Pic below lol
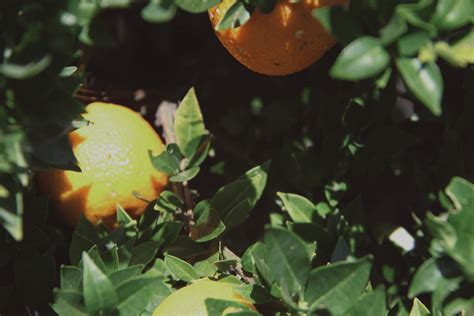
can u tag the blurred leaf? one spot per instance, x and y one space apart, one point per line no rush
300 209
441 230
339 22
240 196
418 309
424 81
196 6
71 278
414 14
363 58
21 72
99 293
235 16
287 259
372 303
464 48
395 28
451 15
450 55
189 124
159 11
461 192
69 303
337 286
409 44
341 252
430 275
180 269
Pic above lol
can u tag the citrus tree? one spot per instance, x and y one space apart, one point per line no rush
237 157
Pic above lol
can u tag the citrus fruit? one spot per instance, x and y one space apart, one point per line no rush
190 300
112 153
284 41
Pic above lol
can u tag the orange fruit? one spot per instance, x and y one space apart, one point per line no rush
284 41
112 152
190 300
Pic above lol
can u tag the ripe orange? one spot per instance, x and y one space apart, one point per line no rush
190 300
287 40
112 152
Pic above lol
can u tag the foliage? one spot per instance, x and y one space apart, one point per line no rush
367 207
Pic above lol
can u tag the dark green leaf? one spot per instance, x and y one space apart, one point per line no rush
71 278
208 224
372 303
165 162
339 22
363 58
337 286
146 252
168 202
120 276
409 44
99 293
248 188
69 303
287 259
395 28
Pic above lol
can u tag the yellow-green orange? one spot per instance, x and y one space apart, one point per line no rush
112 152
190 300
282 42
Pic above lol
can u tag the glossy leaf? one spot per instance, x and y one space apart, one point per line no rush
450 15
363 58
424 81
300 209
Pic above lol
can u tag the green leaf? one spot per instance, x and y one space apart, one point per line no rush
461 192
414 14
71 278
99 293
159 11
246 189
185 175
237 15
450 15
184 247
363 58
146 252
287 259
395 28
441 230
410 44
180 269
208 224
418 309
120 276
189 124
216 307
140 294
168 202
196 6
69 303
424 81
300 209
206 267
431 274
21 72
372 303
202 145
337 287
450 55
464 48
166 161
339 22
84 237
